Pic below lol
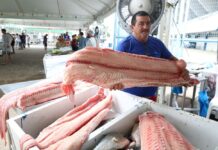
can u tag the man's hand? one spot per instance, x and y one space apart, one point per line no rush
117 86
185 74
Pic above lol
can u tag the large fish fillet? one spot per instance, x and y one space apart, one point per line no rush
106 67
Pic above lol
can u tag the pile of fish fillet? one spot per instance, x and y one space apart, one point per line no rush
71 131
43 91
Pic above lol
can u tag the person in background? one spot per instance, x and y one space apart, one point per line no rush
91 41
17 41
23 40
96 32
7 49
82 41
60 42
74 43
12 43
66 37
141 43
28 40
45 41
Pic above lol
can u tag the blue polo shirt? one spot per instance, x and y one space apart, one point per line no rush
152 47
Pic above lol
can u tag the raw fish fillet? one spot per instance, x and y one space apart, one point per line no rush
75 141
37 93
106 67
71 122
157 133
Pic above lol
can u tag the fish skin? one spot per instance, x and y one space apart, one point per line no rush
135 135
112 141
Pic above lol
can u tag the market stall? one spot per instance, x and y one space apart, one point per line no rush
54 65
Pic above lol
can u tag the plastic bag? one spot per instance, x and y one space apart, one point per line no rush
203 101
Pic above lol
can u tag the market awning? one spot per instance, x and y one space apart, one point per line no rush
72 14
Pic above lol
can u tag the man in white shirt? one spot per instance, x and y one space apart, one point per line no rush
7 49
91 41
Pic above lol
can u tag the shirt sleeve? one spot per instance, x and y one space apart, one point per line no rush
123 46
165 53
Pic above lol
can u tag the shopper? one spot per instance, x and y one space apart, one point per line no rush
7 49
91 41
74 43
45 41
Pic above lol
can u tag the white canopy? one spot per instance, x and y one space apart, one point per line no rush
70 14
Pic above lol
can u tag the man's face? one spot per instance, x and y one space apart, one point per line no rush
141 28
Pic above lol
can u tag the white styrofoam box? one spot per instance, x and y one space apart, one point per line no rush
201 132
34 121
123 123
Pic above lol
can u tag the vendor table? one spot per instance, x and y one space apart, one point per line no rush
54 65
6 88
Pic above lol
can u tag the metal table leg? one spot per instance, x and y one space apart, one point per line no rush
193 96
184 96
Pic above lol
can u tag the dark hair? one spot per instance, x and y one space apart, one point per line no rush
3 30
139 13
81 33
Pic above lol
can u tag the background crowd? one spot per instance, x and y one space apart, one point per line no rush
78 41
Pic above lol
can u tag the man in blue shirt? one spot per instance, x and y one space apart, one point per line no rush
139 42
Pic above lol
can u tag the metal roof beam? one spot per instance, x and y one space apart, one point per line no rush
20 9
88 5
45 17
82 6
106 11
105 4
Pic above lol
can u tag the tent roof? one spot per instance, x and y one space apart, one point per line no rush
72 14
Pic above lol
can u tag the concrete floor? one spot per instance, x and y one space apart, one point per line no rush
27 65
